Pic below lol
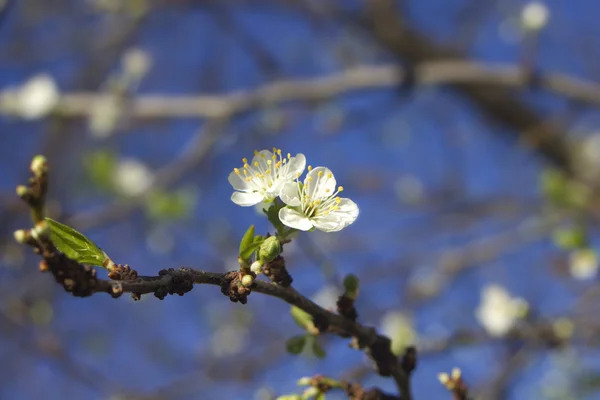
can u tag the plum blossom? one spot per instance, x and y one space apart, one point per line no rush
316 204
263 178
498 311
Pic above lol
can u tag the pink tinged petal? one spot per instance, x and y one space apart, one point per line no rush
296 165
246 199
329 223
347 211
320 187
294 219
238 182
289 194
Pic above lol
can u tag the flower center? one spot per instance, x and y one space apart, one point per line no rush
324 204
263 173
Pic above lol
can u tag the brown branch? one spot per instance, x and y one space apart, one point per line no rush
388 25
468 75
81 281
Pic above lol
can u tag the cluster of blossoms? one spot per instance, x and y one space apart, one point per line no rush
311 203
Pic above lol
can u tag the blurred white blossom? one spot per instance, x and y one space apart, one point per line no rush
35 99
132 177
105 114
228 340
535 15
498 311
327 296
409 189
399 328
136 62
583 264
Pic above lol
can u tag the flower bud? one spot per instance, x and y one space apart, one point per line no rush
289 397
41 229
39 165
351 286
247 280
256 267
304 381
311 392
444 378
243 264
21 235
269 249
22 191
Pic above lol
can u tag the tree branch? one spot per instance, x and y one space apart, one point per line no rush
470 75
81 281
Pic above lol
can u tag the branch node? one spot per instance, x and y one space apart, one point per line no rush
275 270
231 286
122 273
380 352
345 307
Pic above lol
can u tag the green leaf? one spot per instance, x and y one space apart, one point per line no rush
75 245
351 284
99 167
164 205
303 319
571 238
295 344
259 238
273 216
289 397
247 239
554 185
320 396
249 243
317 349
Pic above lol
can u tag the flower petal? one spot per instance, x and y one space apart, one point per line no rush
296 165
289 194
294 219
238 182
347 211
246 199
319 187
329 223
262 157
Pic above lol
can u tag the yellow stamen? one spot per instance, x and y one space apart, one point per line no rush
255 152
320 174
237 171
245 160
340 189
329 175
310 168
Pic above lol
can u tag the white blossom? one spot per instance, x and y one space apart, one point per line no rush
136 62
498 311
399 328
583 264
263 178
132 177
316 204
37 97
535 15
